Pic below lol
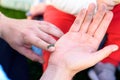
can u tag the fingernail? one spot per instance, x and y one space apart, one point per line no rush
51 47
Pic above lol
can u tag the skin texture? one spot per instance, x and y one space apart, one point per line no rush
77 49
22 34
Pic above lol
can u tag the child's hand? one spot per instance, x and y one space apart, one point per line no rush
110 3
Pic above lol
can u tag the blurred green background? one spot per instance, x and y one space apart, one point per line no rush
13 13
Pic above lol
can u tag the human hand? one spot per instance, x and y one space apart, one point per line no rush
22 34
36 10
77 49
109 3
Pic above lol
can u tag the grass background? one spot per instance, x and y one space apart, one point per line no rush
35 69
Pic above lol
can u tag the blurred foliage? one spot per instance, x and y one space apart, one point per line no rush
13 13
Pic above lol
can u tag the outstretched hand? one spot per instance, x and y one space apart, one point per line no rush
77 49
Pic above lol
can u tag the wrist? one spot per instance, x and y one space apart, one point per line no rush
4 23
54 72
0 23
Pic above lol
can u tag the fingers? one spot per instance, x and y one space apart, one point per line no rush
78 21
49 40
51 47
46 37
100 32
97 19
88 18
36 41
50 29
103 53
30 54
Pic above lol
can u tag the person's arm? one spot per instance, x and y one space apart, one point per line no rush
54 72
77 49
0 24
22 34
3 23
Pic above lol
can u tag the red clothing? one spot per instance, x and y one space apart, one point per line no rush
113 37
64 22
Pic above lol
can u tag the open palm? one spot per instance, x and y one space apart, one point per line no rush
77 49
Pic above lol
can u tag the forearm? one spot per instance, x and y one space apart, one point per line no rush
1 20
56 73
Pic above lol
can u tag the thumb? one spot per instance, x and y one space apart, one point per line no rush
103 53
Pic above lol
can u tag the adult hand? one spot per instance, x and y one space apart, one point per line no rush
77 49
22 34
